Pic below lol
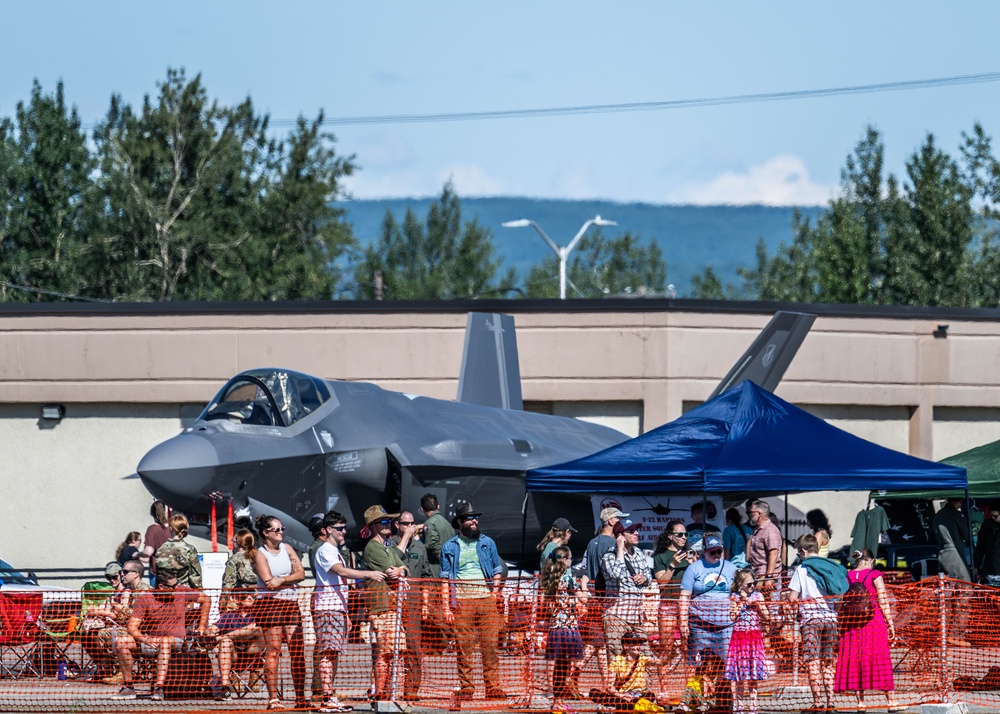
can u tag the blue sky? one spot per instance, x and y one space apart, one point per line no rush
379 58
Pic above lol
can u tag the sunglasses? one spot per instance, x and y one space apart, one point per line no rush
342 529
275 530
385 522
714 551
680 534
405 523
470 518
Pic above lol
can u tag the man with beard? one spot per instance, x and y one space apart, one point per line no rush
472 600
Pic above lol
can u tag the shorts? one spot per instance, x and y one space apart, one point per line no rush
819 640
148 649
614 629
270 612
389 636
331 630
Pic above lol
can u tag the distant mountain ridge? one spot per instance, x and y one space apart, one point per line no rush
691 237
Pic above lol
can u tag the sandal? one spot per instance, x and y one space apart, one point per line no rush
275 703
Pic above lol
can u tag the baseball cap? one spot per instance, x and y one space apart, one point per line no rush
626 525
112 569
711 541
563 524
608 513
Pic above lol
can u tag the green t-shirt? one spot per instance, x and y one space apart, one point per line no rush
469 571
661 561
380 597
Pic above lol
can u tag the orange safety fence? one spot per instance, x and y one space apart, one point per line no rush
103 650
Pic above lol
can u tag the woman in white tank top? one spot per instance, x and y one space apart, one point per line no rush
277 613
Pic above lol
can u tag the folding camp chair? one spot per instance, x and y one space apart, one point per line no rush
19 613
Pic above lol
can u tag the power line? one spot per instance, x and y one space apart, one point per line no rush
660 105
665 105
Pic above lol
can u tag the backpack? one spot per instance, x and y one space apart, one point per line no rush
855 609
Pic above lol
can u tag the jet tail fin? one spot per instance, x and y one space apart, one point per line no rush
770 354
491 376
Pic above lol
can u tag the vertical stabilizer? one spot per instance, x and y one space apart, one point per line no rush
765 362
491 376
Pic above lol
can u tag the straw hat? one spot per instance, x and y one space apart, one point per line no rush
377 513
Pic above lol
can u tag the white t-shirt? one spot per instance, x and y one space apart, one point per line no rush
331 590
813 605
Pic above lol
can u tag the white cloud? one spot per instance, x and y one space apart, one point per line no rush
781 181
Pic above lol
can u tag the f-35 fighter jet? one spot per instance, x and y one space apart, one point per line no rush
288 444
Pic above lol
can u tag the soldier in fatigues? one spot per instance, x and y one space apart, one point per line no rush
181 556
437 532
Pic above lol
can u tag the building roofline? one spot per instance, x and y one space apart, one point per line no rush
637 304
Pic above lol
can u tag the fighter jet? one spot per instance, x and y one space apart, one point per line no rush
292 445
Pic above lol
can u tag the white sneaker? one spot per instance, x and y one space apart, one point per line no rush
335 705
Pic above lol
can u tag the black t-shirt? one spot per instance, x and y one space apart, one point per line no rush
128 553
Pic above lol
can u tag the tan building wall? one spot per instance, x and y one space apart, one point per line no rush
125 376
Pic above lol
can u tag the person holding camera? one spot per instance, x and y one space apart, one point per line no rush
671 557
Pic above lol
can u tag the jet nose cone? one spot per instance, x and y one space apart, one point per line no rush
180 471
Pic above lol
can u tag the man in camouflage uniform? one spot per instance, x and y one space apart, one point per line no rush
437 532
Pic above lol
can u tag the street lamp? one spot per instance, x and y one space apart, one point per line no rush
561 253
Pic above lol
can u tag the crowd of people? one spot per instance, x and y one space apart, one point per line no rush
719 592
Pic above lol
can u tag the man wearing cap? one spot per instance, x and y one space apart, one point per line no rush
437 531
627 573
156 625
472 600
381 554
592 629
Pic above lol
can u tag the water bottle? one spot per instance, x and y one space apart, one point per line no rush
61 670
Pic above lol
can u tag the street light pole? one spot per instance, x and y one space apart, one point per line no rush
561 253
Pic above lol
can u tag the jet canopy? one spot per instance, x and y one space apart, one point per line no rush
267 397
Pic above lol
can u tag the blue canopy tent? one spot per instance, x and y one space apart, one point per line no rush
746 439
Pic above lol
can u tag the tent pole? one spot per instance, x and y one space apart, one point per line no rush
524 532
968 521
786 529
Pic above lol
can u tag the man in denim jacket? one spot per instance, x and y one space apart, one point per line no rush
472 600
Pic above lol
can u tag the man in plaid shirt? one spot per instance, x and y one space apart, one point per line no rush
627 573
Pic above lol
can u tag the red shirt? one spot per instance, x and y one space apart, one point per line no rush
161 612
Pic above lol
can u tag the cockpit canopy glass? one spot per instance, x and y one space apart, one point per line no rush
268 397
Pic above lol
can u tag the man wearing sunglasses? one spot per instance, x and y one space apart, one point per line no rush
472 600
382 555
416 607
157 626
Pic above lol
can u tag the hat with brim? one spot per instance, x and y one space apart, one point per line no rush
377 513
464 511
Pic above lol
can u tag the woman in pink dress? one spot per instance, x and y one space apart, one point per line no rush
863 660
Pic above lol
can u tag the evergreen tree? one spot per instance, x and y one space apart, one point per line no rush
441 259
45 199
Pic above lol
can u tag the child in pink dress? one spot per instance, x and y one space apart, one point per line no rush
747 663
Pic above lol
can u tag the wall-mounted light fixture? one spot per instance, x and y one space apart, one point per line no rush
53 412
941 332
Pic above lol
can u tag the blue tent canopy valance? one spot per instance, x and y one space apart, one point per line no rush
746 439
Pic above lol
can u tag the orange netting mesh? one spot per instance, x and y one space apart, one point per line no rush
63 650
